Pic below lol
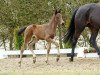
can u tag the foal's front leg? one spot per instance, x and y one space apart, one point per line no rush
48 50
57 45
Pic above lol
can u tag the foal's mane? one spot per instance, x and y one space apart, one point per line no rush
52 19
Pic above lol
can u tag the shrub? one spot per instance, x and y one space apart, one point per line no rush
18 40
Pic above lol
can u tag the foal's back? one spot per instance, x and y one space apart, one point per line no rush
40 31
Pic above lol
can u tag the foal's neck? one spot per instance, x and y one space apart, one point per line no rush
53 24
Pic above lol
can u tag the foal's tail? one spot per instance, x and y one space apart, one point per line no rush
21 31
71 30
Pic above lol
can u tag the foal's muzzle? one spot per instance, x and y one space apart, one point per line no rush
63 24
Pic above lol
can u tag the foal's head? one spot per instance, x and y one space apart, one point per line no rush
58 17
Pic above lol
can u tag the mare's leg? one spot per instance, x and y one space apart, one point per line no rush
78 31
48 50
94 33
30 45
21 53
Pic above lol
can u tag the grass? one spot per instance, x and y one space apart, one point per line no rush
51 73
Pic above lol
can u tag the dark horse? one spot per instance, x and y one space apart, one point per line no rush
85 16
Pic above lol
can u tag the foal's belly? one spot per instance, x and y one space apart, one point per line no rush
40 36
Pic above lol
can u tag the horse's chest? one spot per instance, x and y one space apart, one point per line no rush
52 36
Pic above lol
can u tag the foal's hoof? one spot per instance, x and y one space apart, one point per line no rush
57 59
34 60
46 61
71 59
19 63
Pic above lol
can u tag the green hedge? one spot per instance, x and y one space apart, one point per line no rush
18 40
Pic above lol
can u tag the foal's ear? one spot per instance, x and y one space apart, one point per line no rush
59 11
56 11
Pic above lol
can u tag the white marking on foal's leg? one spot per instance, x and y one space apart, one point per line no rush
34 56
58 53
31 49
21 54
30 45
48 51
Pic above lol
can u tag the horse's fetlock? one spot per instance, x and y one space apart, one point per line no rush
58 55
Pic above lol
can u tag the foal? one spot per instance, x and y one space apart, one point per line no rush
33 33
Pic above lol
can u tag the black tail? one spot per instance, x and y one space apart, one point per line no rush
71 30
21 31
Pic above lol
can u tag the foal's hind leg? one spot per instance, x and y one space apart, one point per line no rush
21 53
94 33
31 49
30 45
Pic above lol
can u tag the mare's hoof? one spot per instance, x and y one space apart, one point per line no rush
99 56
71 59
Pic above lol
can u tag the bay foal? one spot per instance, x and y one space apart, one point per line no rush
33 33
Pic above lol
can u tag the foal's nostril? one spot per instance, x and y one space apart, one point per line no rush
63 23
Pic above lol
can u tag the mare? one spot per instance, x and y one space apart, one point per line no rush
33 33
87 15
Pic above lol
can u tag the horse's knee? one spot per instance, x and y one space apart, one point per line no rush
48 47
74 40
30 45
93 43
48 51
22 51
57 45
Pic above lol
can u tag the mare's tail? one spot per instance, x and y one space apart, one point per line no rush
21 31
71 30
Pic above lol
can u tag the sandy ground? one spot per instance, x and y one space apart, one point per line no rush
79 64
